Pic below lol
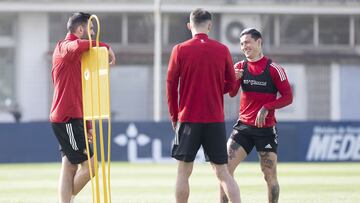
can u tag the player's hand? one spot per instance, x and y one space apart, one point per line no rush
90 135
173 125
239 73
260 118
112 58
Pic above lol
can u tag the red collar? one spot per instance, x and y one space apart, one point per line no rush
264 59
201 36
71 36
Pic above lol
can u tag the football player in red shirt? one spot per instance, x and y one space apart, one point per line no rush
204 69
260 80
66 110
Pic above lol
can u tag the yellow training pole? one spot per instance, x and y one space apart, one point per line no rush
92 76
102 154
109 138
83 79
96 105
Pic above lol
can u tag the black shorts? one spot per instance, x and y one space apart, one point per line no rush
264 139
190 136
71 137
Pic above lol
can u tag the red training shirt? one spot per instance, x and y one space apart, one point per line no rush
66 78
205 70
252 102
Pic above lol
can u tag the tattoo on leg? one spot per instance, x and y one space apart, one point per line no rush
232 149
224 199
265 160
275 193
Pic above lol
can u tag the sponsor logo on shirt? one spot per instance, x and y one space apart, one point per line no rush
255 82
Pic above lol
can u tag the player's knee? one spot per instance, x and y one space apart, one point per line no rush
86 171
269 174
231 169
222 172
73 168
270 177
185 173
92 171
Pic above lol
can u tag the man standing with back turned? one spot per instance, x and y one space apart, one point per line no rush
204 68
66 111
261 80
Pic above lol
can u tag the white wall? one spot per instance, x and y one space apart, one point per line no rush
32 69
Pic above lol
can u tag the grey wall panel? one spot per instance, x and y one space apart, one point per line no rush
350 92
318 83
131 98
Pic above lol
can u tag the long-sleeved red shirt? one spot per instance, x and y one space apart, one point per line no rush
66 77
252 102
205 70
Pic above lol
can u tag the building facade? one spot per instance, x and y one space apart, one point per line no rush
316 41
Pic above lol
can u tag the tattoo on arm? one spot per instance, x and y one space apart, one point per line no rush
232 149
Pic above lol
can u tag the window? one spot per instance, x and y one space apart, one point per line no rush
268 30
215 29
57 26
6 28
7 85
141 28
7 61
178 31
357 30
110 27
334 30
296 29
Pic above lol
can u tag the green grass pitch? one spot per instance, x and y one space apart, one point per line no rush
154 183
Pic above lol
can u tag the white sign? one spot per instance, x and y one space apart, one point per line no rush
334 144
297 110
132 139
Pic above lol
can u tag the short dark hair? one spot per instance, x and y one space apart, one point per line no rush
199 16
77 19
255 34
